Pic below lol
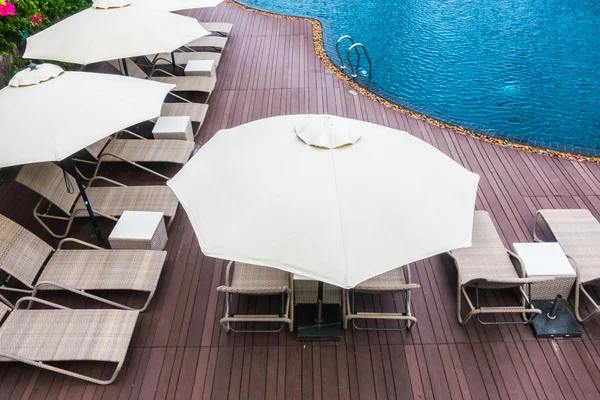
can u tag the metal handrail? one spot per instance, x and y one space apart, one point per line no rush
337 49
355 47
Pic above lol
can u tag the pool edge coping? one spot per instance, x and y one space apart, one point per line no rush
319 47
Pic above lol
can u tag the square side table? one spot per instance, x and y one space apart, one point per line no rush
139 230
547 259
200 68
179 128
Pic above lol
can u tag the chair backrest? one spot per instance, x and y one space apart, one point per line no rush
22 254
48 181
485 234
133 69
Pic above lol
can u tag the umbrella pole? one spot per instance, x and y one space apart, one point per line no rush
124 63
68 165
173 62
320 303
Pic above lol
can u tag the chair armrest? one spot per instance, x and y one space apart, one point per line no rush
163 71
520 264
513 281
133 134
179 97
73 240
41 301
106 180
79 292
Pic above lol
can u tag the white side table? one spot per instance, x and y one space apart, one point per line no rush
173 128
200 68
547 259
139 230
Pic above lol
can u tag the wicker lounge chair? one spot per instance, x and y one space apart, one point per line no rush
259 281
23 256
397 280
202 84
216 43
487 264
141 150
218 28
47 180
578 233
36 337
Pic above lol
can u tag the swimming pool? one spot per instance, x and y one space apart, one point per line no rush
523 70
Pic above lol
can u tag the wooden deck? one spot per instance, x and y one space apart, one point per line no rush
179 351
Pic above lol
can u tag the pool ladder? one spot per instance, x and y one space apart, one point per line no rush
354 46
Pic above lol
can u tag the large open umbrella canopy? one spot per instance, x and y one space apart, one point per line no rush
111 30
334 199
47 114
175 5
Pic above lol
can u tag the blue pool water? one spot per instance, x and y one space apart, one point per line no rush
523 70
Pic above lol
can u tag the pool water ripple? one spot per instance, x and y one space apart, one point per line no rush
522 70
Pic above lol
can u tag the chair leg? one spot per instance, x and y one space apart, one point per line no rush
528 309
406 317
578 289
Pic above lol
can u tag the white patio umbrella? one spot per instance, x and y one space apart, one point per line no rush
47 114
176 5
111 30
334 199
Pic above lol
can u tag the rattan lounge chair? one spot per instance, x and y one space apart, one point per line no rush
140 150
487 264
396 280
47 180
36 337
24 256
578 233
216 43
202 84
218 28
256 280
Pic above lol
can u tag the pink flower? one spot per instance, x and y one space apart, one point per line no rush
37 19
7 10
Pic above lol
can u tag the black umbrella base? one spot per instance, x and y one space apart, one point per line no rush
563 326
307 327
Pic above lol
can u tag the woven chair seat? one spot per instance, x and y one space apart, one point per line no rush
174 151
487 264
65 335
105 269
254 279
114 200
388 281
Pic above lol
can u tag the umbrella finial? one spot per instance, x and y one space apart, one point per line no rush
32 66
327 132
